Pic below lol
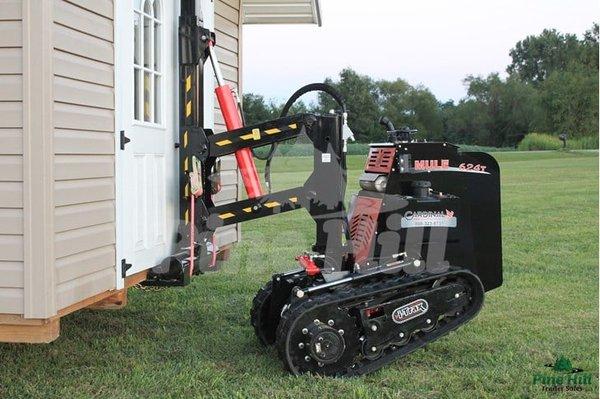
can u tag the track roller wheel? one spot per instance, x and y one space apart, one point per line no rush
326 345
317 338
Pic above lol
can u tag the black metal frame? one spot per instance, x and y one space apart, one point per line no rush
322 194
193 52
476 244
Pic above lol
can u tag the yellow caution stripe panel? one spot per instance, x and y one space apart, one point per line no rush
272 131
255 134
223 142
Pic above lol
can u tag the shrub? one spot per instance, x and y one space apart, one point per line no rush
542 141
539 142
481 148
583 143
305 149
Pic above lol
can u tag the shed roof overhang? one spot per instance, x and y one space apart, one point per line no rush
281 12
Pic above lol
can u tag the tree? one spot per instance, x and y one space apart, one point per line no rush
466 123
535 57
257 110
552 87
394 101
427 113
367 100
521 113
496 112
360 94
415 107
565 71
590 48
570 102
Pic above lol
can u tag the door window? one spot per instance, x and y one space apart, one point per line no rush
147 61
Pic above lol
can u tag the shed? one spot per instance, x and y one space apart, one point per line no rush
74 74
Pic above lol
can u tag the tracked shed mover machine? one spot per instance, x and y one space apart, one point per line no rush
407 263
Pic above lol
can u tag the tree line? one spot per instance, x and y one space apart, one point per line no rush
551 87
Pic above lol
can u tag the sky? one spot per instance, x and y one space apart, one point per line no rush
433 43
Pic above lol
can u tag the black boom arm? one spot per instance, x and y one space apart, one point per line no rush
322 194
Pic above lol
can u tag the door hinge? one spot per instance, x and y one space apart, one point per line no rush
124 139
124 267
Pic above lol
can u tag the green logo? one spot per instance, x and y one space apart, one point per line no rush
565 377
563 365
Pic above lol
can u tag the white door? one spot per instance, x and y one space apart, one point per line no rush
146 170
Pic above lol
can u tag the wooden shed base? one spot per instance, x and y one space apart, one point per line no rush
32 331
16 329
115 301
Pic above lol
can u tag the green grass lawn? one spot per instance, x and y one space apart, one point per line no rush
197 341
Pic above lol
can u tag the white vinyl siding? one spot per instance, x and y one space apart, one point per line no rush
282 12
84 102
11 157
80 152
228 33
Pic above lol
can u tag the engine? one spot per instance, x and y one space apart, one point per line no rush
431 202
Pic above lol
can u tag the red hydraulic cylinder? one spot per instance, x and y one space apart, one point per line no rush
243 157
234 121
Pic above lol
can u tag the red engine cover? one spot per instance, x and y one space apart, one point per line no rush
363 226
380 160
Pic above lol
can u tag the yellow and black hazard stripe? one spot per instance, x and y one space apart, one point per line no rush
254 208
272 205
187 122
256 134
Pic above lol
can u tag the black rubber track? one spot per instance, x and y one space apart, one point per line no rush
259 315
352 293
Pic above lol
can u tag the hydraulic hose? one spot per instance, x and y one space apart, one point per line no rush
324 87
